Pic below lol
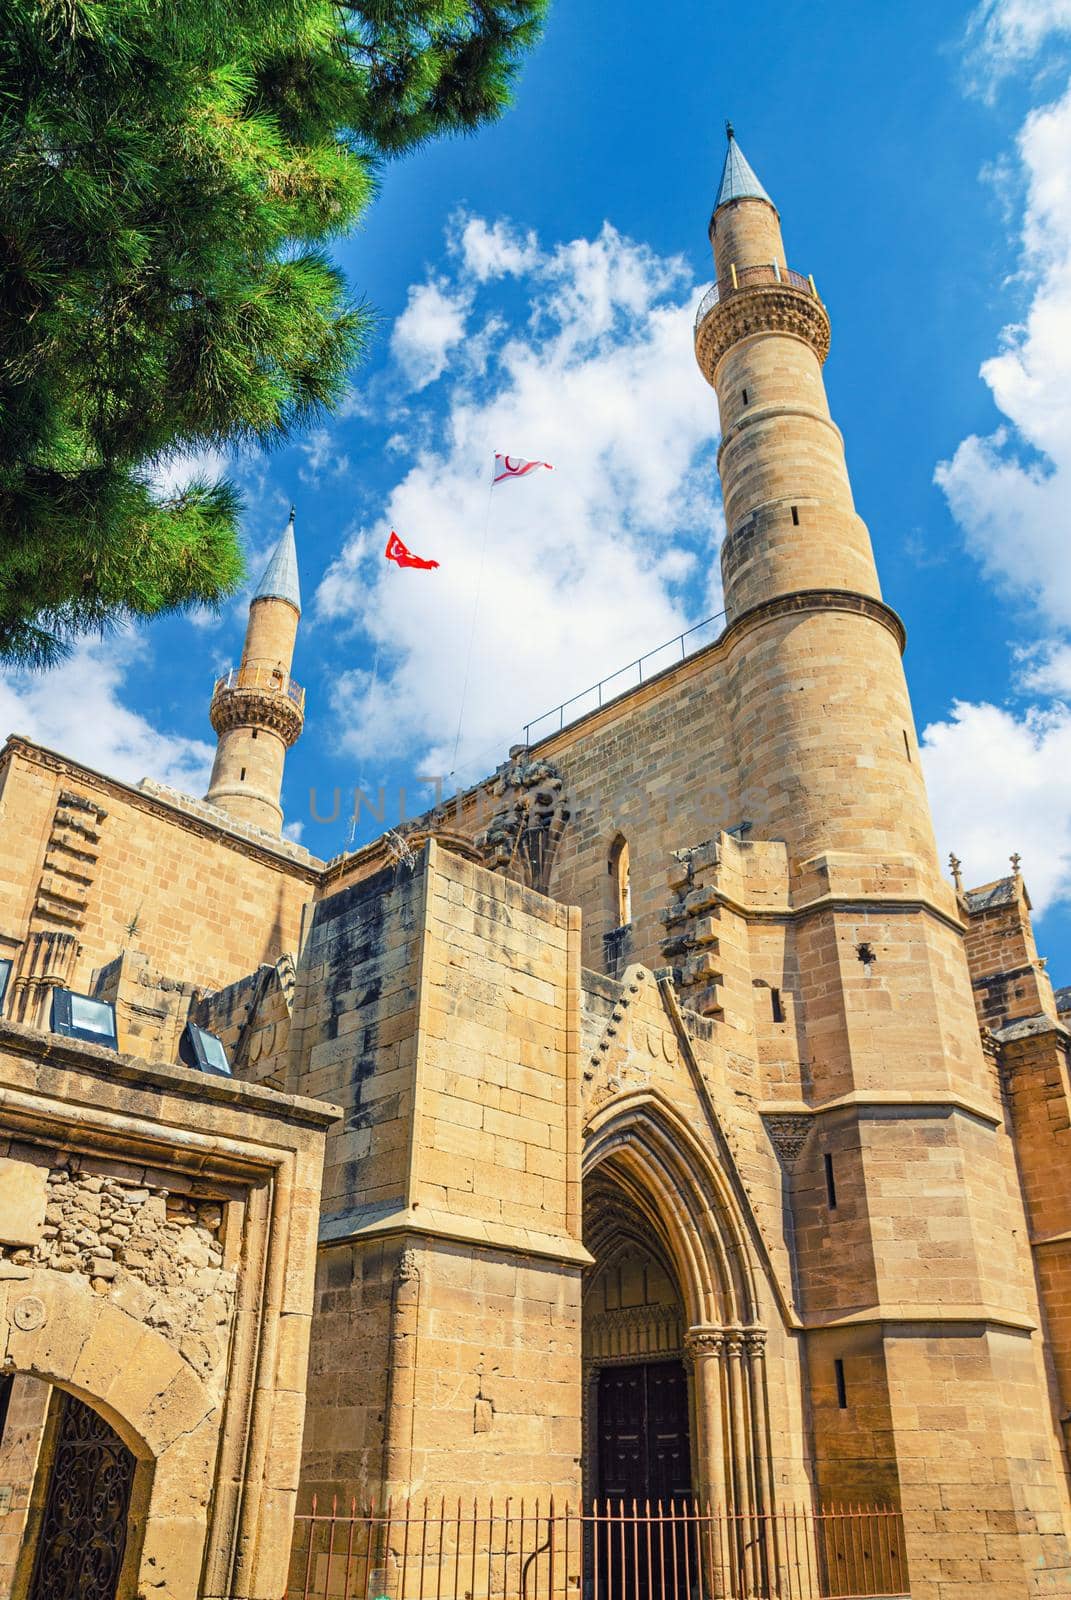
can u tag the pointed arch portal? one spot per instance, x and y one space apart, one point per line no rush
671 1308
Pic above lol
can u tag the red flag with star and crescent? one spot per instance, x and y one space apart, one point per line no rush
397 551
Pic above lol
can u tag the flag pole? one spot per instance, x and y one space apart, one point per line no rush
475 610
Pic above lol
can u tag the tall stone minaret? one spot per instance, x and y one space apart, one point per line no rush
910 1249
257 709
834 763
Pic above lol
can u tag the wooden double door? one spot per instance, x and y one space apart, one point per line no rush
645 1461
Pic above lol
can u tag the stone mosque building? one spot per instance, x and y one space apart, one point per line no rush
654 1120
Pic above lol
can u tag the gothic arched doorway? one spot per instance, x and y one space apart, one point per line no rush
664 1225
638 1423
74 1507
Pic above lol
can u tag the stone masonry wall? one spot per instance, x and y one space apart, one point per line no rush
438 1004
200 904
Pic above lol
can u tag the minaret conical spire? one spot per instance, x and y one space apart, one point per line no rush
738 178
280 578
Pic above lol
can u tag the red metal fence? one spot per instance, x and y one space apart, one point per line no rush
515 1550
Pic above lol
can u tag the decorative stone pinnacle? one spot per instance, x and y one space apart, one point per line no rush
1015 860
955 867
729 130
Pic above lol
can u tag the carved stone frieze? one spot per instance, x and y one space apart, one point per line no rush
766 308
788 1134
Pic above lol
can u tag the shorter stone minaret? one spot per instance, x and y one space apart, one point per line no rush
257 708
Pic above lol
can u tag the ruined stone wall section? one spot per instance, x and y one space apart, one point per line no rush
157 1254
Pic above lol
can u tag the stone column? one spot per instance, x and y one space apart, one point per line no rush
45 962
398 1423
740 1430
705 1354
755 1346
705 1351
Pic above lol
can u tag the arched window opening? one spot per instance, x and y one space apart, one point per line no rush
621 881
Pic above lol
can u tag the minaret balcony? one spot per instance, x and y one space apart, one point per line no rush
758 299
258 697
261 678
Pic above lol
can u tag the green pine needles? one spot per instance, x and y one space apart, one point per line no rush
171 175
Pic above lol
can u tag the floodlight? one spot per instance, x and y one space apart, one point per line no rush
203 1050
80 1016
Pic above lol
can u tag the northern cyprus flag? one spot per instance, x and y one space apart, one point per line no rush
507 467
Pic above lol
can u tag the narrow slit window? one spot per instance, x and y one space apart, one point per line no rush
775 1005
831 1182
795 516
254 733
241 776
744 393
842 1387
907 745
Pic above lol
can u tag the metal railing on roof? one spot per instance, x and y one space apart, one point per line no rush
750 278
666 655
261 678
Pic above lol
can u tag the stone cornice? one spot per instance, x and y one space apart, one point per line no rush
764 308
885 1099
802 600
359 1223
771 414
806 600
53 1050
912 1312
226 831
912 905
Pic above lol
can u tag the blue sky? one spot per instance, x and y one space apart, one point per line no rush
535 287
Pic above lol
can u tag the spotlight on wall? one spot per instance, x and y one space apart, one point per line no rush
79 1016
203 1050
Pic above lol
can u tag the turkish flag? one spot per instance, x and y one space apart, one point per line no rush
396 551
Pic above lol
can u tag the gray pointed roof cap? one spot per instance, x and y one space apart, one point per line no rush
280 580
738 179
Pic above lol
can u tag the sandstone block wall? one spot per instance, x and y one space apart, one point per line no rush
111 869
437 1003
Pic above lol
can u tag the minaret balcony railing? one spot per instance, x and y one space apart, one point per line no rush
261 678
752 278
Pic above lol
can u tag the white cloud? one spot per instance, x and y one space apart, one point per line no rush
1000 783
1009 492
494 250
1006 34
321 457
1000 778
431 326
75 708
583 566
1045 668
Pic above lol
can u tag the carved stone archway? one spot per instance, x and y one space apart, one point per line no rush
130 1377
682 1206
